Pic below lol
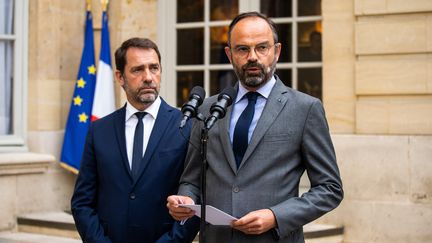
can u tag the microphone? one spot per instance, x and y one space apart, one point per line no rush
189 109
218 109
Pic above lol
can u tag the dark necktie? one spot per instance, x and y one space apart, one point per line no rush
240 140
137 153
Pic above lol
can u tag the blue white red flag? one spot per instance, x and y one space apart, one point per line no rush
104 101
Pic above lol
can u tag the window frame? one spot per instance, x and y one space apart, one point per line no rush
16 141
167 28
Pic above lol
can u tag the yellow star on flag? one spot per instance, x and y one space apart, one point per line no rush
77 100
81 83
92 69
83 117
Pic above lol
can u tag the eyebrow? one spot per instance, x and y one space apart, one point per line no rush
137 67
143 66
261 43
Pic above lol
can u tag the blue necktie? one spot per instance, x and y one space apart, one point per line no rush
241 131
137 153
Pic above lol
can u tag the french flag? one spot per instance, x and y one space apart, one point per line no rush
104 100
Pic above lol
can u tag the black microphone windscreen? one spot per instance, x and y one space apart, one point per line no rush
198 91
229 91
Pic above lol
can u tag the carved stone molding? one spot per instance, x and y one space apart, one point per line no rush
24 163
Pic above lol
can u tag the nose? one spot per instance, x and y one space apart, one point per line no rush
147 75
252 56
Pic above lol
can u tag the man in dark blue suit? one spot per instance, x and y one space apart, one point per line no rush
133 159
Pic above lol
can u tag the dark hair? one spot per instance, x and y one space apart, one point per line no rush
144 43
249 15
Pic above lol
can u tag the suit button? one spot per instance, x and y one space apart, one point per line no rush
236 189
132 196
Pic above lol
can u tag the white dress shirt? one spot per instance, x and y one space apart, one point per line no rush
131 122
240 104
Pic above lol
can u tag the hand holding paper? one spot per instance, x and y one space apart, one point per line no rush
177 212
256 222
213 215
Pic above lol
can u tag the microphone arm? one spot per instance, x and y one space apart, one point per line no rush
190 108
219 108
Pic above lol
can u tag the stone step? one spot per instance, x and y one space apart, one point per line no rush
48 223
329 239
62 224
314 231
317 233
22 237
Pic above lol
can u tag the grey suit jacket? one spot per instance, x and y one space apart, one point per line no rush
291 137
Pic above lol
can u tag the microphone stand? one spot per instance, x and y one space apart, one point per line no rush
203 191
204 165
204 139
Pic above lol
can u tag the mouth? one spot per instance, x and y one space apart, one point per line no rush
253 69
147 90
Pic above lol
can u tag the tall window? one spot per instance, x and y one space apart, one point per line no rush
299 28
13 71
202 33
199 35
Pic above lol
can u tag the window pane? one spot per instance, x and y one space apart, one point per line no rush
285 76
218 41
6 17
190 46
310 81
309 7
284 32
309 42
223 9
219 80
190 11
186 80
6 61
276 8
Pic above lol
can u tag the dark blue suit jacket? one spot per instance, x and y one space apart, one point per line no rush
108 205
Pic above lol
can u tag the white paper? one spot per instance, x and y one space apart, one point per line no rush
213 215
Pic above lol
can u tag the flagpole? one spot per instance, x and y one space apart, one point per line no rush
88 5
104 4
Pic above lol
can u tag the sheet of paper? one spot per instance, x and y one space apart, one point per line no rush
213 215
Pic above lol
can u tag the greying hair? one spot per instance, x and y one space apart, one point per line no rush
249 15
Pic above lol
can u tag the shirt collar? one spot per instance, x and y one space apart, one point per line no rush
264 91
152 110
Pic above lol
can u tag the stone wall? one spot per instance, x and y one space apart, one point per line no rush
388 188
377 79
377 57
378 66
338 65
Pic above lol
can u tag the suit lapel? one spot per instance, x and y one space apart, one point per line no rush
226 141
119 127
275 103
163 119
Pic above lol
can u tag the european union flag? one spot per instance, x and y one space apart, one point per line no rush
82 101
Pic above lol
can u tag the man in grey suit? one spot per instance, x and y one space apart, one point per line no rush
258 152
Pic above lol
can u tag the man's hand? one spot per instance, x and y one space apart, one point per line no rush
256 222
179 213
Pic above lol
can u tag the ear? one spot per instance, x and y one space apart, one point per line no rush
278 50
228 53
119 77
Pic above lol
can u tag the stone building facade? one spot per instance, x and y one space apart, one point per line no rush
376 89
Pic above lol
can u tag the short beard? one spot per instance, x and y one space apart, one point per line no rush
255 81
145 99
